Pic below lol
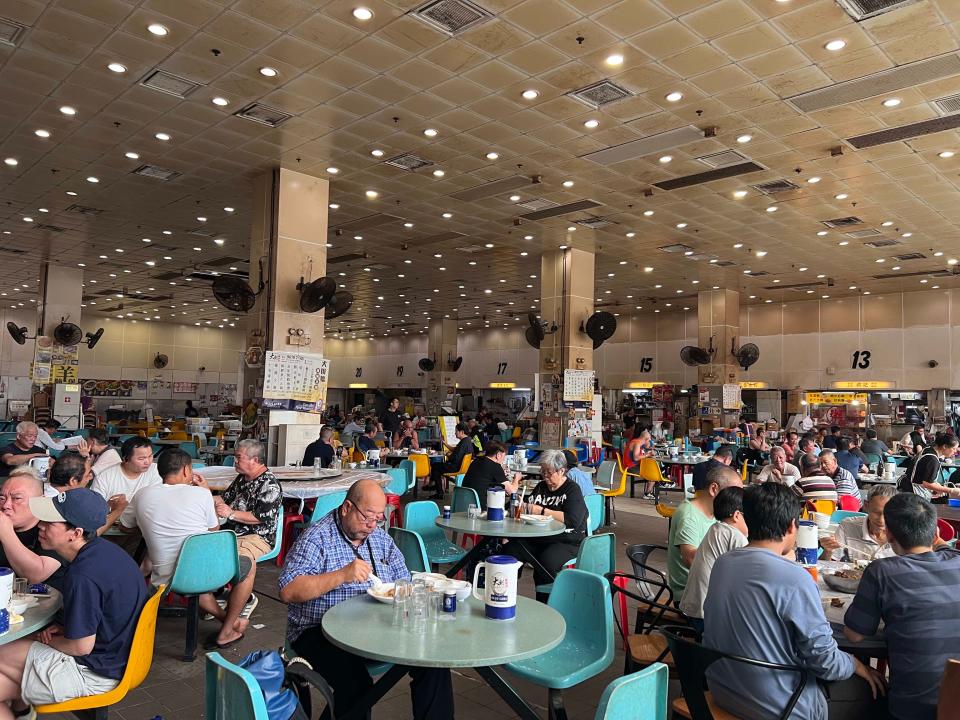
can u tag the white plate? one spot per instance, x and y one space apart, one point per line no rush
536 519
381 588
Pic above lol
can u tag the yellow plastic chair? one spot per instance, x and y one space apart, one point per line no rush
609 495
516 432
827 507
421 470
743 472
464 466
138 665
178 435
626 472
358 457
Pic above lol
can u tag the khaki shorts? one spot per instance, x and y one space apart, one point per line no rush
252 546
51 676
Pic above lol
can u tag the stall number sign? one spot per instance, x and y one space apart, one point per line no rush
860 360
646 364
815 398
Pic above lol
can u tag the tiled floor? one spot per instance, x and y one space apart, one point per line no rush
174 689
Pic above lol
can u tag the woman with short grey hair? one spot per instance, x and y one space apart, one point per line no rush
561 499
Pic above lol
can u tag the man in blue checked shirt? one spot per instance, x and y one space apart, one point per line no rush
332 561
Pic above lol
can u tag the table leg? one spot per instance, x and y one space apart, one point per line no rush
381 687
529 557
477 553
507 693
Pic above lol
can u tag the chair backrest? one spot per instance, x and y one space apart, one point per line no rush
231 693
358 456
277 539
839 516
190 448
651 581
949 691
597 554
141 649
421 465
650 470
692 660
463 497
398 482
198 464
465 464
419 516
229 460
827 507
412 548
639 696
849 502
595 512
947 533
207 562
177 435
326 503
410 470
606 474
873 458
583 599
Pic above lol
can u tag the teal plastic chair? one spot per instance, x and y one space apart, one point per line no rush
463 498
397 487
229 460
206 563
231 692
596 554
872 458
411 472
583 599
419 517
595 508
639 696
326 503
190 448
277 541
841 515
411 547
198 464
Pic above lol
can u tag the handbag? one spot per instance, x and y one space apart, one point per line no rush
286 685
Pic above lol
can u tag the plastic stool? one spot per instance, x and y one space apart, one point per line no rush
394 500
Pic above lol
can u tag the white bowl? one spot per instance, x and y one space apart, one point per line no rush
430 579
463 588
376 593
19 606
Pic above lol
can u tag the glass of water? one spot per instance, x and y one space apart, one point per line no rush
473 512
418 610
401 602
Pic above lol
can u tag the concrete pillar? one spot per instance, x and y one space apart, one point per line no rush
441 347
61 292
566 298
718 313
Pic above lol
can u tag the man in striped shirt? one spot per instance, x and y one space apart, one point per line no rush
813 484
915 595
845 482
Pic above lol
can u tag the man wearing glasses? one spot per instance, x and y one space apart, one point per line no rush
332 561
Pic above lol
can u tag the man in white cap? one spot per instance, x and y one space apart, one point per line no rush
103 594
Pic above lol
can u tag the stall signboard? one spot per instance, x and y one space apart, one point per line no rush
835 398
295 381
662 393
863 384
753 385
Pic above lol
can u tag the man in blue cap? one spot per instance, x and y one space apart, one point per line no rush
103 594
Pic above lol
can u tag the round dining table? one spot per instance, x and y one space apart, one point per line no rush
874 646
364 627
35 618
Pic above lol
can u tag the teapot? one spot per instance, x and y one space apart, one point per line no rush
501 573
373 457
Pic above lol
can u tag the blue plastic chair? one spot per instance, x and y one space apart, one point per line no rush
841 515
326 503
583 599
206 563
419 517
397 486
639 696
229 460
873 458
411 547
277 541
198 464
190 448
232 692
463 498
411 472
595 509
596 554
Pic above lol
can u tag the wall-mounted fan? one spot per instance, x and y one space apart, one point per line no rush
339 303
234 293
160 361
746 355
93 338
426 364
454 363
537 330
316 295
600 327
693 355
19 334
67 333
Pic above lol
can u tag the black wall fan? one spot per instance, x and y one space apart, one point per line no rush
235 294
693 355
19 334
536 332
426 364
316 295
339 303
67 333
93 338
454 364
600 327
746 355
160 361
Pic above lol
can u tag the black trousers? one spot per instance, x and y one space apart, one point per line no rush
431 688
851 699
550 552
437 471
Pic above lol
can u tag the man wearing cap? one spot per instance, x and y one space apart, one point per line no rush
103 594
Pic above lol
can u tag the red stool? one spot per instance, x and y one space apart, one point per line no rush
621 582
289 523
394 500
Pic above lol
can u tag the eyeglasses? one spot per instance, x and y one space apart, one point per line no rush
370 518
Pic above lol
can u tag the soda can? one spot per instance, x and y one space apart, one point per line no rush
450 601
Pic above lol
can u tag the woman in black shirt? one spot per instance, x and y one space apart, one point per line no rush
487 472
561 499
924 477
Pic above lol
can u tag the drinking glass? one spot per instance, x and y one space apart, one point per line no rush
20 586
418 610
436 605
473 512
401 602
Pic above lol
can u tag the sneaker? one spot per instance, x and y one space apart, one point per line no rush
28 714
223 606
648 496
250 607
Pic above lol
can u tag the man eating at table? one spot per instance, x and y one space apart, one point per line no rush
864 538
779 470
915 595
332 561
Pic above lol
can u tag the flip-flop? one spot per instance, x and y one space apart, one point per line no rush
212 644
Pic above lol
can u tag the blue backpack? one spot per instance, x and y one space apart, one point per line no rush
286 686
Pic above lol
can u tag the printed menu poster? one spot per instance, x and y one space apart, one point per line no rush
578 386
295 381
731 396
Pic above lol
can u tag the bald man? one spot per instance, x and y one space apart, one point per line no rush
20 531
332 561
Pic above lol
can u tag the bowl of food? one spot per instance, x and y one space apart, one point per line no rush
844 580
382 592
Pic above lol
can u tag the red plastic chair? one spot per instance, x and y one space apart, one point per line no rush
396 519
947 533
849 502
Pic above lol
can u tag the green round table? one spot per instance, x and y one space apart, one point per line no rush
35 618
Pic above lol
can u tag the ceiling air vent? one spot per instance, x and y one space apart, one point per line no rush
408 161
906 132
491 189
11 32
470 249
863 9
452 16
593 222
909 256
860 234
48 228
722 159
775 186
884 242
168 83
918 273
755 273
561 210
676 248
83 209
156 172
724 263
709 176
263 114
201 232
842 222
349 257
600 94
537 204
948 105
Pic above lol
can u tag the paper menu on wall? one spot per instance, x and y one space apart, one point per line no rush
731 396
295 381
448 428
578 386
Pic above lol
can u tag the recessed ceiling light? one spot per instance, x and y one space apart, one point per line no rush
571 228
408 224
372 194
333 170
772 208
648 213
841 196
221 101
666 158
268 71
514 198
744 139
447 215
168 232
614 60
492 156
157 29
591 123
530 94
568 183
835 45
802 269
737 246
564 247
43 210
880 260
760 253
71 193
681 225
886 223
631 234
430 132
946 154
907 234
116 67
814 180
201 218
362 13
674 96
821 233
42 133
162 136
952 261
938 253
228 209
12 162
93 179
68 110
27 219
377 153
892 102
739 193
132 155
217 241
438 173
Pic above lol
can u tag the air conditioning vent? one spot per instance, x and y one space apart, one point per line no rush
593 222
863 9
470 249
909 256
408 161
83 209
906 132
349 257
676 248
10 32
537 204
48 228
170 84
600 94
156 172
201 232
775 186
722 159
263 114
884 242
842 222
918 273
452 16
860 234
559 210
755 273
948 105
724 263
740 168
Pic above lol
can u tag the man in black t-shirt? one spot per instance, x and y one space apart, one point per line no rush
321 448
22 450
390 420
487 472
453 462
20 530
